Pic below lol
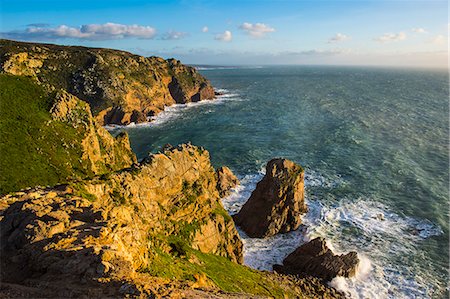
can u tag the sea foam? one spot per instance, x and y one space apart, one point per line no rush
173 112
378 234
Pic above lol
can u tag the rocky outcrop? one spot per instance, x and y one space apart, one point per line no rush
110 226
277 202
120 87
100 152
52 137
226 180
316 259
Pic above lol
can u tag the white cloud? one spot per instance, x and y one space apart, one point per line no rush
391 37
226 36
174 35
438 40
105 31
419 30
339 37
205 29
257 30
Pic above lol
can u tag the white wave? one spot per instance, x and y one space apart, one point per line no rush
174 111
378 235
239 195
381 237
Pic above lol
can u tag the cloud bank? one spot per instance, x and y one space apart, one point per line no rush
107 31
257 30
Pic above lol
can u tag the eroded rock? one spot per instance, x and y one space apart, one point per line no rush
277 202
226 180
109 226
316 259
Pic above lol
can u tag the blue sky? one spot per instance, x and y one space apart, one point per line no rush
401 33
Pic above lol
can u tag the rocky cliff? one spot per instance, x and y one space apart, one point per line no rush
119 86
52 137
114 223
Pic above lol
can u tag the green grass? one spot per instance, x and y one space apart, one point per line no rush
79 189
228 276
33 149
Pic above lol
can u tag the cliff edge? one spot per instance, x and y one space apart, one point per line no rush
119 86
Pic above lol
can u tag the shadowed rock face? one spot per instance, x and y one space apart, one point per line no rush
316 259
226 180
277 202
120 87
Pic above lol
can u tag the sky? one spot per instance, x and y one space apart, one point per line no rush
253 32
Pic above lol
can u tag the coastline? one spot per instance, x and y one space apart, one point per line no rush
171 112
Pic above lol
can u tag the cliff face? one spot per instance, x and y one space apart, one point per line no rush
118 224
119 86
101 152
49 138
118 220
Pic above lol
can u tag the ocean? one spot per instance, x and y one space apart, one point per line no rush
374 143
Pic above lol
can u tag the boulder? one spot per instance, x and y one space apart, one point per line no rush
316 259
277 202
226 180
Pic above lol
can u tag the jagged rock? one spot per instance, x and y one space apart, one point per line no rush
277 202
226 180
100 151
316 259
60 136
120 87
108 226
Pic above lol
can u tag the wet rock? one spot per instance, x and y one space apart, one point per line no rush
277 202
316 259
226 180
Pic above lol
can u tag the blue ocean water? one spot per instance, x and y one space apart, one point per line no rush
375 146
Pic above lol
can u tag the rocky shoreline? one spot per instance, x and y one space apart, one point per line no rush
108 226
120 87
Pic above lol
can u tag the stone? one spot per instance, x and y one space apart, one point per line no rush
316 259
277 203
226 180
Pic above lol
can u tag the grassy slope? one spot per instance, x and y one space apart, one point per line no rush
228 276
33 151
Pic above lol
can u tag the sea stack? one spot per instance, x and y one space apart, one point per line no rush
277 202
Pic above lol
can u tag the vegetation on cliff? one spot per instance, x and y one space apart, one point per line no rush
49 138
119 86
